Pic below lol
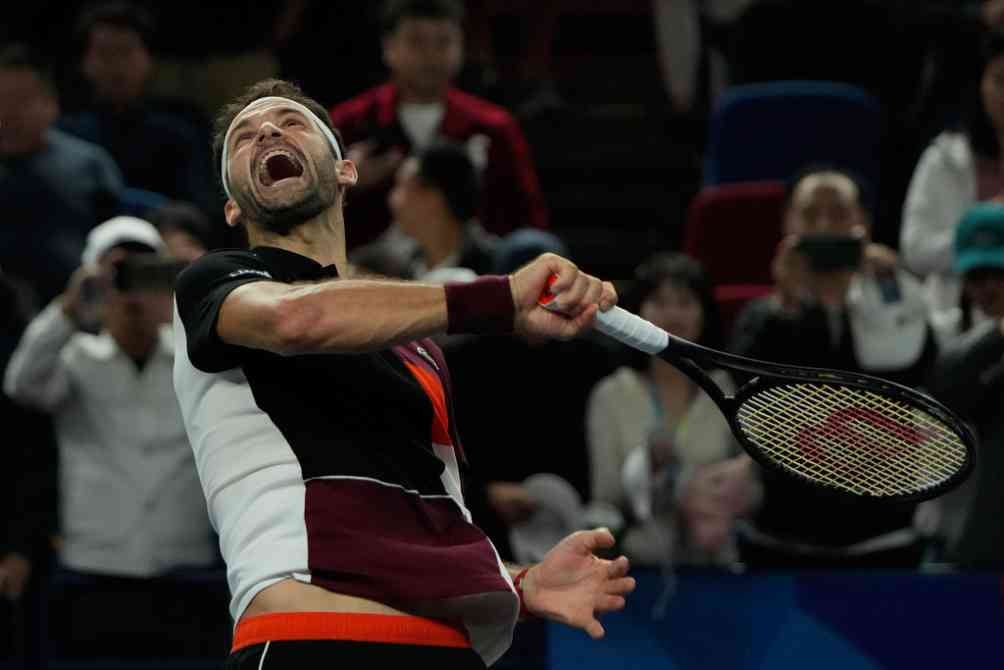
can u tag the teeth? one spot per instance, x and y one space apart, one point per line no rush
263 172
277 152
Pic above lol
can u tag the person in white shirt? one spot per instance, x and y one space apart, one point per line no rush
131 503
960 168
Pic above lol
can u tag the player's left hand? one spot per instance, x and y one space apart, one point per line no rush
573 586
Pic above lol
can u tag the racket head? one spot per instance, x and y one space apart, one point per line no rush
853 435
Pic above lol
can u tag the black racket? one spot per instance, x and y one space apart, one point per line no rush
847 433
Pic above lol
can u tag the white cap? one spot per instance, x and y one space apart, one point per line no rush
888 335
116 231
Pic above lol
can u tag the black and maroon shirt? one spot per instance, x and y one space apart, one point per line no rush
340 470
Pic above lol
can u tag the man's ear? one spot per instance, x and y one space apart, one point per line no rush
347 173
232 212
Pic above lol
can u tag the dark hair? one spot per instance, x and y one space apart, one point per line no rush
17 56
793 182
264 89
118 14
446 167
396 11
976 123
183 216
683 271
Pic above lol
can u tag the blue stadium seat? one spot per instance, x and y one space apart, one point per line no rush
771 130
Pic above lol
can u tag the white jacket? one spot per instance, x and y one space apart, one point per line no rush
943 187
130 499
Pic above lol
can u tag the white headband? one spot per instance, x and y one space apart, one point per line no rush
261 102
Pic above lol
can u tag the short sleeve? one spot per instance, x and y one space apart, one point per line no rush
200 292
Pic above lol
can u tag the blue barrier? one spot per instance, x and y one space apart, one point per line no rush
822 621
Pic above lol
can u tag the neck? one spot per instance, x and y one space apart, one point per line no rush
443 240
136 346
321 238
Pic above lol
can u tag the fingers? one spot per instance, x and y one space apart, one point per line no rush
609 296
572 300
606 604
582 322
595 629
618 567
601 538
620 587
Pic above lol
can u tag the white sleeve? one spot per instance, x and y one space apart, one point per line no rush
935 202
36 374
603 440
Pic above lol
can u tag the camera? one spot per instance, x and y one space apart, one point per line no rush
830 253
147 272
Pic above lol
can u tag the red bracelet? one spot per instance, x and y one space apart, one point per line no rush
518 585
481 307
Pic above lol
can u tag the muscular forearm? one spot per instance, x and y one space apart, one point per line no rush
362 315
356 315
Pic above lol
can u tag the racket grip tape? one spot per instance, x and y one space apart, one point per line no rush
621 325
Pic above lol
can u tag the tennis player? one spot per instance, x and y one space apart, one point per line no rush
323 431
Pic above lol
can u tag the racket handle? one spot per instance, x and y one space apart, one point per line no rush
621 325
632 330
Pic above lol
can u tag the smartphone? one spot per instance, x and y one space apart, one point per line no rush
147 272
829 253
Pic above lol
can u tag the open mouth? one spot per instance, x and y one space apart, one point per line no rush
277 165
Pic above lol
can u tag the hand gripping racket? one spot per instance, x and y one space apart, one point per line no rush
846 433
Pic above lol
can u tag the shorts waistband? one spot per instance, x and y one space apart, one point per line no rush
357 627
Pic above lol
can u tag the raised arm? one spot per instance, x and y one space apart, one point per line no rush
36 375
348 315
337 315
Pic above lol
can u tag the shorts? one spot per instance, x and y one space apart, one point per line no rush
306 640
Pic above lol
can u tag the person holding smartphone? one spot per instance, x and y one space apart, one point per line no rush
99 359
844 302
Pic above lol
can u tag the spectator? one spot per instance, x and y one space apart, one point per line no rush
839 302
686 37
53 187
969 376
959 168
156 149
186 231
131 502
434 201
659 447
423 47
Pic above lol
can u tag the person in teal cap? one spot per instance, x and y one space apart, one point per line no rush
969 376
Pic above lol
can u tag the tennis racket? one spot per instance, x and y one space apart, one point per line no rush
846 433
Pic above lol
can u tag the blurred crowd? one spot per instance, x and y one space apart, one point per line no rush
108 187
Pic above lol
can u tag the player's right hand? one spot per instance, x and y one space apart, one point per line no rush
579 297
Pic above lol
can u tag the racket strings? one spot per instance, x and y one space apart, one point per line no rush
831 444
851 439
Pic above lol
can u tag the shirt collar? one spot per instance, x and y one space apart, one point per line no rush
293 264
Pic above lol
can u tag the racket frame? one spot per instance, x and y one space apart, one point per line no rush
684 355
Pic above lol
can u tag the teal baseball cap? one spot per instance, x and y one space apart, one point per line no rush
979 239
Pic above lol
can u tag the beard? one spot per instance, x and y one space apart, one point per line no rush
282 219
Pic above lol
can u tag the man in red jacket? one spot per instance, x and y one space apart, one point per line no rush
423 47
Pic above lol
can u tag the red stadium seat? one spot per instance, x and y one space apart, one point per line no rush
734 230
